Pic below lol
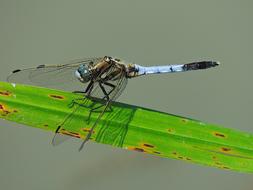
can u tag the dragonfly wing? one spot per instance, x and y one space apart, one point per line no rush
65 129
113 86
55 76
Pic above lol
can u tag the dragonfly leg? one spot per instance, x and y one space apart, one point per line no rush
106 96
89 88
104 91
85 140
111 85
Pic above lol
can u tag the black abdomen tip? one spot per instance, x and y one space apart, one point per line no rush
200 65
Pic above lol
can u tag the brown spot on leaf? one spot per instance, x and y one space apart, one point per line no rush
46 125
175 153
225 149
148 145
15 111
7 112
87 130
219 135
184 120
188 159
4 110
156 152
180 157
139 149
136 149
5 93
170 130
56 96
73 134
225 167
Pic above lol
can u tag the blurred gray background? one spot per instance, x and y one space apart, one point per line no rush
145 32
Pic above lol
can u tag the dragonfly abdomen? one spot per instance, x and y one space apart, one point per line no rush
138 70
158 69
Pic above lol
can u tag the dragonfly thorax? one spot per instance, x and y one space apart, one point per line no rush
83 73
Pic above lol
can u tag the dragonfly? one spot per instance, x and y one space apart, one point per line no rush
103 78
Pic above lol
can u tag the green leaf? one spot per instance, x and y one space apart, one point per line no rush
130 127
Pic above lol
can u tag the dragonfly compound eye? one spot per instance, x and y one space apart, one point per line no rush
83 73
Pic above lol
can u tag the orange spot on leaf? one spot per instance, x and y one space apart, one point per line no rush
56 96
87 130
170 130
219 135
5 93
225 149
4 110
139 149
136 149
70 133
1 107
148 145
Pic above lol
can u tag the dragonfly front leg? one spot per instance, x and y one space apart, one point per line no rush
85 93
111 85
106 95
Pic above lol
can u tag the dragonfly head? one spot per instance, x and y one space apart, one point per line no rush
83 73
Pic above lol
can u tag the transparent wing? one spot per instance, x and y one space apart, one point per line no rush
117 83
113 81
113 84
55 76
65 128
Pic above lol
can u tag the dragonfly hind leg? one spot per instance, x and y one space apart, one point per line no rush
107 94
